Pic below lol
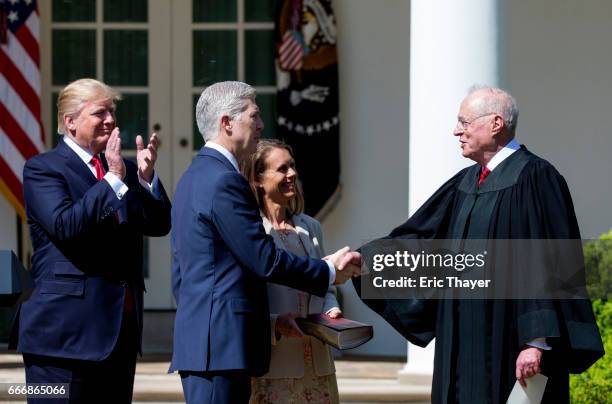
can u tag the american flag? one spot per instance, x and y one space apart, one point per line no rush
21 130
290 53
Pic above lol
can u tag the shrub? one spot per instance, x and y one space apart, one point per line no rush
595 385
598 266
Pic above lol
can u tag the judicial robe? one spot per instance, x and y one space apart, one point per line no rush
478 341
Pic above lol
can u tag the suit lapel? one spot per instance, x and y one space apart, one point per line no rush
304 234
81 178
302 231
80 172
315 303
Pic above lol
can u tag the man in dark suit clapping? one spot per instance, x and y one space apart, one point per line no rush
87 214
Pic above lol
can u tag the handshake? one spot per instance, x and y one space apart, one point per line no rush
347 264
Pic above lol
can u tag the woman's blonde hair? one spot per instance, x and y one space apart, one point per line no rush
255 166
73 97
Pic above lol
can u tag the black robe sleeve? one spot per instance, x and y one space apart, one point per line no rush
415 319
540 207
552 217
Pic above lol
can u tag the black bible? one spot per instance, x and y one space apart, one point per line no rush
341 333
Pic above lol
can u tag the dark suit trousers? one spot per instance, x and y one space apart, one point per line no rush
223 387
108 381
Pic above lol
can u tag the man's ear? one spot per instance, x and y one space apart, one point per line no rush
69 123
226 122
498 124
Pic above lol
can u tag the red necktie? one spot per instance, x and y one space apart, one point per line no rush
95 160
484 173
128 302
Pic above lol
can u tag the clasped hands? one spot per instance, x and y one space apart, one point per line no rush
145 156
347 264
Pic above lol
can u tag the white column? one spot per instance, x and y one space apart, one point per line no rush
419 363
454 44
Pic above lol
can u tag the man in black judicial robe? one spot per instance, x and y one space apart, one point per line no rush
484 346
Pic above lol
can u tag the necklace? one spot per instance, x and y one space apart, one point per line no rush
284 234
284 229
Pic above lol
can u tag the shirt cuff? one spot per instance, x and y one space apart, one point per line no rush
540 343
332 272
333 308
118 186
153 187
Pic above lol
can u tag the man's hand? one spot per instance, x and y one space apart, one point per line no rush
146 157
528 364
334 313
287 327
352 258
112 153
345 261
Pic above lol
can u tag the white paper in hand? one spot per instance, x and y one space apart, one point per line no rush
532 394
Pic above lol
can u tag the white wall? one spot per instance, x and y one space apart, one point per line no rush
373 47
559 69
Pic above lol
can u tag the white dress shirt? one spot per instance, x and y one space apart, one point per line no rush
503 154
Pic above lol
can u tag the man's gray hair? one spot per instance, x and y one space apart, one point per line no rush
223 98
498 101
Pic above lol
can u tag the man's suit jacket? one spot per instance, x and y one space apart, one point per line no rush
287 356
222 259
87 250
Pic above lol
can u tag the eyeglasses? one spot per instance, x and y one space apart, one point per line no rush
463 124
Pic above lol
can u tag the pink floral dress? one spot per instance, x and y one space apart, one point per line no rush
310 388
